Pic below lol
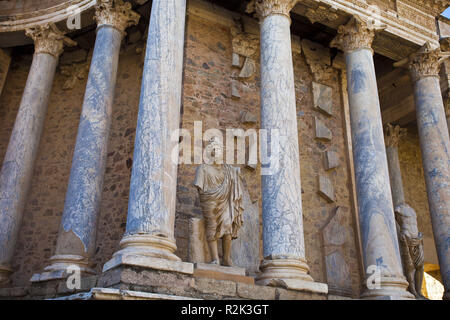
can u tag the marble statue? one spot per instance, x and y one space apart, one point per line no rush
221 192
411 248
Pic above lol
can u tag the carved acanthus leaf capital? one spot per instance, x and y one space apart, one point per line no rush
115 13
48 39
424 63
265 8
356 34
393 135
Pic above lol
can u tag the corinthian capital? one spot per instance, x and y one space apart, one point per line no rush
265 8
356 34
48 39
424 63
393 134
115 13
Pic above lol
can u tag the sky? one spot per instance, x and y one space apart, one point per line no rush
447 13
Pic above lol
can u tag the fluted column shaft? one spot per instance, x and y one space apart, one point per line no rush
76 238
377 220
151 207
18 164
435 148
283 240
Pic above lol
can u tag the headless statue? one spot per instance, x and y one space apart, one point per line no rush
220 191
411 248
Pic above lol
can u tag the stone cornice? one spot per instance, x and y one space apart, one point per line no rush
48 39
265 8
393 135
54 14
356 34
424 63
436 7
115 13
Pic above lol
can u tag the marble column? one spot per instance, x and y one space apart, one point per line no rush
393 134
376 214
284 261
151 208
76 238
434 142
17 169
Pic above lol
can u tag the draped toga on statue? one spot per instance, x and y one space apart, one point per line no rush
220 191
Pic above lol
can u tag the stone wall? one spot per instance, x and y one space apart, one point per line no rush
207 97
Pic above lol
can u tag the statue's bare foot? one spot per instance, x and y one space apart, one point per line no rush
215 261
228 263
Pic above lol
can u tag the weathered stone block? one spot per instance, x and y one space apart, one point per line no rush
326 188
247 117
216 287
86 284
127 277
331 160
235 60
255 292
235 90
323 98
283 294
13 292
248 69
322 131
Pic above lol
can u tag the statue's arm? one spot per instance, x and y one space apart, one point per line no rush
199 178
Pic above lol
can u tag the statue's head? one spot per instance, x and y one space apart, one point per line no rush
405 209
214 151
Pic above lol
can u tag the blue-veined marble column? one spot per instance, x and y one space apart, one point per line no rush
18 164
435 145
381 253
283 241
151 208
76 238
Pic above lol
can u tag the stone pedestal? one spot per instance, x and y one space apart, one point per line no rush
18 164
76 238
283 241
435 146
214 271
151 208
376 214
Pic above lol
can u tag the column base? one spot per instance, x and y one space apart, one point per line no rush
149 246
148 251
5 273
290 274
60 266
446 295
390 289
